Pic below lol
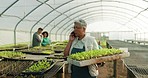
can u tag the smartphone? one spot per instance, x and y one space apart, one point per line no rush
73 34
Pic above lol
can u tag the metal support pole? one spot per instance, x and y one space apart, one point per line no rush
15 38
115 69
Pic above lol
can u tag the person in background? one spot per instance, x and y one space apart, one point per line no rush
46 40
99 45
79 42
103 63
37 38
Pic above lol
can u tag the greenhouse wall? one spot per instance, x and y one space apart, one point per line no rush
22 37
7 37
59 37
142 36
121 35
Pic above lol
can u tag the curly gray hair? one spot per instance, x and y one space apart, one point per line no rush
81 22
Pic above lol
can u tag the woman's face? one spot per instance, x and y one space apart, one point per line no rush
45 35
79 30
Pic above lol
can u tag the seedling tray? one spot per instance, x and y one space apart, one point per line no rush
7 49
53 62
14 58
13 68
21 48
17 59
11 58
11 48
36 53
98 60
58 51
55 57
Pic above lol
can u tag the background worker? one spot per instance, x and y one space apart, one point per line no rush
37 38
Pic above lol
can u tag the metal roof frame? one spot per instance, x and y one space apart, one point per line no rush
24 18
79 15
63 23
68 30
9 7
87 9
45 16
93 2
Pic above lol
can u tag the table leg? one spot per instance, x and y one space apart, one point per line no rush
115 69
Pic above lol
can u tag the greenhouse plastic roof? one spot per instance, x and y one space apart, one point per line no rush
57 16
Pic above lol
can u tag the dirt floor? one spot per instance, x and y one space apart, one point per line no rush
107 70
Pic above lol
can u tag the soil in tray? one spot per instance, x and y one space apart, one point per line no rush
13 68
39 67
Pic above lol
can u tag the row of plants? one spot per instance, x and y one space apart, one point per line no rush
49 49
39 66
57 42
11 54
9 47
86 55
14 68
48 52
37 51
54 46
60 46
57 56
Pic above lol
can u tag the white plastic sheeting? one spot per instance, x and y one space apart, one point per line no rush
121 35
57 16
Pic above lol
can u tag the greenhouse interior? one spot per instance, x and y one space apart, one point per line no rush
50 38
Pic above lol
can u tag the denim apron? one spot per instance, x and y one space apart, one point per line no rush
79 72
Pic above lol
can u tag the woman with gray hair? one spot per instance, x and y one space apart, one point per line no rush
79 42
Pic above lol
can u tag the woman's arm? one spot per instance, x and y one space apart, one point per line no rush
68 46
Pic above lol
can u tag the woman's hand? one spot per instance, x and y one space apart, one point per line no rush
71 38
67 49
